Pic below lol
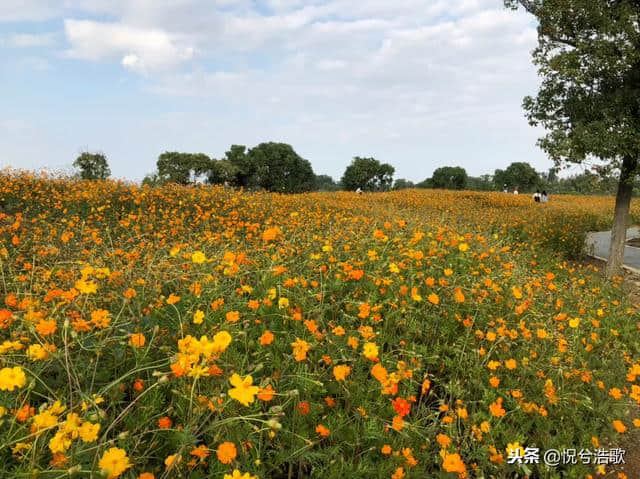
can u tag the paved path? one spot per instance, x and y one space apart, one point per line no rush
597 245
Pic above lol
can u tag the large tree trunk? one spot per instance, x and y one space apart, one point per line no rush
621 216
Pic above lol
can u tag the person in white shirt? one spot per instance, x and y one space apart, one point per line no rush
536 196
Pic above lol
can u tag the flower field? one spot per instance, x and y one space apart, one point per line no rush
205 332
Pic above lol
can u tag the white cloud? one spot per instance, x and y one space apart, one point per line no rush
28 40
407 79
139 49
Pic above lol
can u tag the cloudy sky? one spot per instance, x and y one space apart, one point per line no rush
415 83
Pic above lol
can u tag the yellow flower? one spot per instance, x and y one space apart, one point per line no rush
283 303
172 460
198 257
89 432
86 287
114 462
44 420
198 317
517 292
11 378
35 352
243 390
239 475
60 442
370 351
574 323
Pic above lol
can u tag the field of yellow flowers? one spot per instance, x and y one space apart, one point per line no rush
209 333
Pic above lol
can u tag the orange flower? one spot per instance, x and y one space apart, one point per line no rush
137 340
433 298
201 452
619 426
453 463
364 310
401 406
233 316
173 299
496 408
458 296
271 234
386 449
397 424
443 440
303 408
341 372
164 422
46 327
322 431
226 452
266 338
266 394
100 318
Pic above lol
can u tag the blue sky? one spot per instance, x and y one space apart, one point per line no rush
418 84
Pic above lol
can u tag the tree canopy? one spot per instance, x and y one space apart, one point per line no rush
450 178
518 174
277 167
588 56
92 166
368 174
182 168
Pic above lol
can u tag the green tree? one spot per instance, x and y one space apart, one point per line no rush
367 174
245 170
450 178
182 168
325 183
222 172
517 174
402 184
92 166
426 183
481 183
277 167
588 55
152 179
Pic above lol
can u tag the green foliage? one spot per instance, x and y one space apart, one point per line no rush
325 183
588 55
518 174
402 184
222 172
182 168
244 168
426 183
368 174
450 178
92 166
480 183
277 167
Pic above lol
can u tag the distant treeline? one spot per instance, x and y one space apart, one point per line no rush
277 167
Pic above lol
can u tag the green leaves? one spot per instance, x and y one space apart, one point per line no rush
589 57
368 174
